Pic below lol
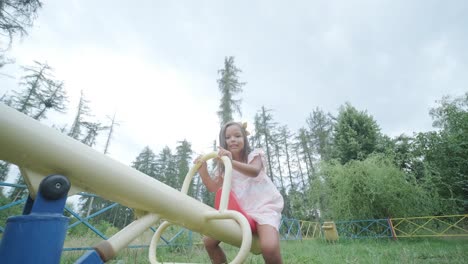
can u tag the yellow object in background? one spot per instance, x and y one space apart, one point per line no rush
331 234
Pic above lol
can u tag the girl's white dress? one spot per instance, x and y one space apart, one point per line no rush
258 196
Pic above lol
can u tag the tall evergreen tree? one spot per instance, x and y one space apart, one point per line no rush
146 162
356 134
445 151
284 139
53 97
109 136
166 168
82 112
183 158
41 92
320 132
92 131
4 169
265 131
15 17
229 86
305 152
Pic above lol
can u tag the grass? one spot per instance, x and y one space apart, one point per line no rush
430 250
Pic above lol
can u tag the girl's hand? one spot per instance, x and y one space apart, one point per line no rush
203 163
224 152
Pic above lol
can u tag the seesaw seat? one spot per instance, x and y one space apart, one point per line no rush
233 204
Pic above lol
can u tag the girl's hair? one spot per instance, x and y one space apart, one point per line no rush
222 142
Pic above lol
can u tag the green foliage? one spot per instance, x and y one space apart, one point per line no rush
264 133
146 162
417 251
370 189
183 159
445 152
15 17
320 132
4 169
82 112
167 168
82 230
41 92
5 213
356 134
229 86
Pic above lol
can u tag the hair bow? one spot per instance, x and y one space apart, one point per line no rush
244 127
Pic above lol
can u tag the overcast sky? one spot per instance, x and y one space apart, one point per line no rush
155 63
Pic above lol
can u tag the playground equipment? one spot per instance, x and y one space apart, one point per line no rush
40 151
331 234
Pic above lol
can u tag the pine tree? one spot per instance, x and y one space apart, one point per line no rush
93 129
183 157
41 92
229 86
15 17
356 134
109 136
82 112
320 132
284 137
4 169
167 169
146 162
265 131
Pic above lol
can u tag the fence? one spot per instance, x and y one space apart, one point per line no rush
290 229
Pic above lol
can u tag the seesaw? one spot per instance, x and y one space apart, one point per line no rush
40 151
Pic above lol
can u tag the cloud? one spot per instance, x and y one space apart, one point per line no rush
155 63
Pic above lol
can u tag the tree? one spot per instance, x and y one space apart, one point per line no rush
371 189
445 151
166 168
109 136
284 137
229 86
305 152
356 134
54 97
93 129
264 128
42 92
4 169
15 17
82 112
182 158
320 132
146 162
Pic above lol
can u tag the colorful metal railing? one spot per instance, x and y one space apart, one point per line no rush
372 228
290 229
431 226
310 230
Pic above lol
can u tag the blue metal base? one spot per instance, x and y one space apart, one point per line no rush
90 257
39 234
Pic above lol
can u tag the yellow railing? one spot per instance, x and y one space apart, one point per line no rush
431 226
310 230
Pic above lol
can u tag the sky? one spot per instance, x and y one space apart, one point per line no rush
155 63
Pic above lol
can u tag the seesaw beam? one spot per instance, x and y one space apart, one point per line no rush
40 151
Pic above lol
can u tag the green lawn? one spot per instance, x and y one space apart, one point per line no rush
431 250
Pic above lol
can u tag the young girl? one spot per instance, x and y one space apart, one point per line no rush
256 193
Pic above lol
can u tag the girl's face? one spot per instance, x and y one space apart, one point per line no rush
234 140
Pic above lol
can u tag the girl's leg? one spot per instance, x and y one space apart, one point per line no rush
269 244
214 250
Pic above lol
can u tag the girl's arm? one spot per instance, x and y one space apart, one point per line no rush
251 169
211 184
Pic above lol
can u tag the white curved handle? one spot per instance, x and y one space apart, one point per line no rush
223 213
